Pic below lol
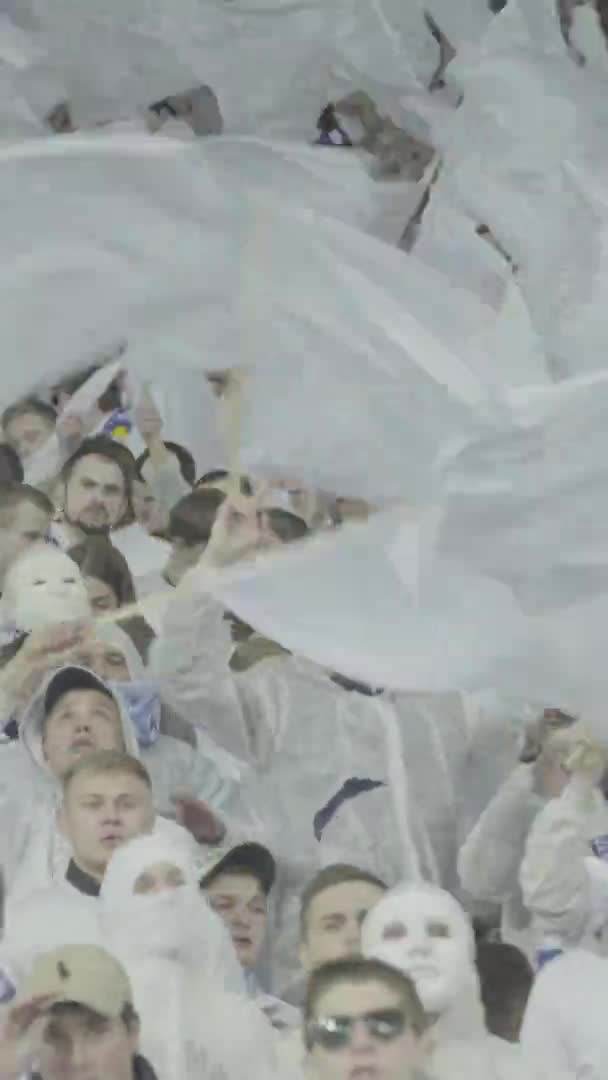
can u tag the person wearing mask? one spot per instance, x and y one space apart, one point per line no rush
424 932
25 518
156 921
565 852
75 1016
238 889
506 978
74 714
107 799
490 860
364 1018
190 772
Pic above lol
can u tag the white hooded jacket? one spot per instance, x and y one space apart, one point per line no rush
33 851
188 988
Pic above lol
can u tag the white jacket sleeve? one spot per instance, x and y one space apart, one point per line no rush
191 661
490 859
554 880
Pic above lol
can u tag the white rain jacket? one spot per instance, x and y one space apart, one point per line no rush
565 1023
557 886
33 852
207 773
489 861
335 765
183 970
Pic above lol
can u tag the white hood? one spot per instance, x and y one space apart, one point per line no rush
30 731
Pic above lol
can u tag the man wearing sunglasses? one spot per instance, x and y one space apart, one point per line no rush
364 1021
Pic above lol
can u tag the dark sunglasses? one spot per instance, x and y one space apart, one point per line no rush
335 1032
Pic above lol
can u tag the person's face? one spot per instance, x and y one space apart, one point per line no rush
95 496
100 812
425 935
101 596
82 722
81 1045
392 1052
28 525
333 925
43 586
159 878
182 558
146 509
27 433
243 908
104 660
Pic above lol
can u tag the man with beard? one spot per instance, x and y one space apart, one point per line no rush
97 496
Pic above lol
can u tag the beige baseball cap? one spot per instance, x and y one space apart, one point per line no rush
81 975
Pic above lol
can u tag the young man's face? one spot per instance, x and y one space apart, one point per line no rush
27 433
95 496
81 1045
82 722
27 525
392 1052
334 920
243 907
104 660
147 510
100 812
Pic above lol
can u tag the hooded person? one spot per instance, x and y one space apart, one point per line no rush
156 922
203 773
74 714
425 933
39 586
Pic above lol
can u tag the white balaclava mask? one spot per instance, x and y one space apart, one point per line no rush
424 932
42 587
155 926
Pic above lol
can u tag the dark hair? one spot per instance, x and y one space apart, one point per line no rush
105 447
27 406
210 478
336 874
285 525
192 518
13 496
11 469
506 978
97 557
359 969
187 464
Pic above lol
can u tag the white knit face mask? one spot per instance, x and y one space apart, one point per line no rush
422 933
44 587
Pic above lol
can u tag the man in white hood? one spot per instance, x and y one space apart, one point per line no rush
155 920
424 932
73 715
